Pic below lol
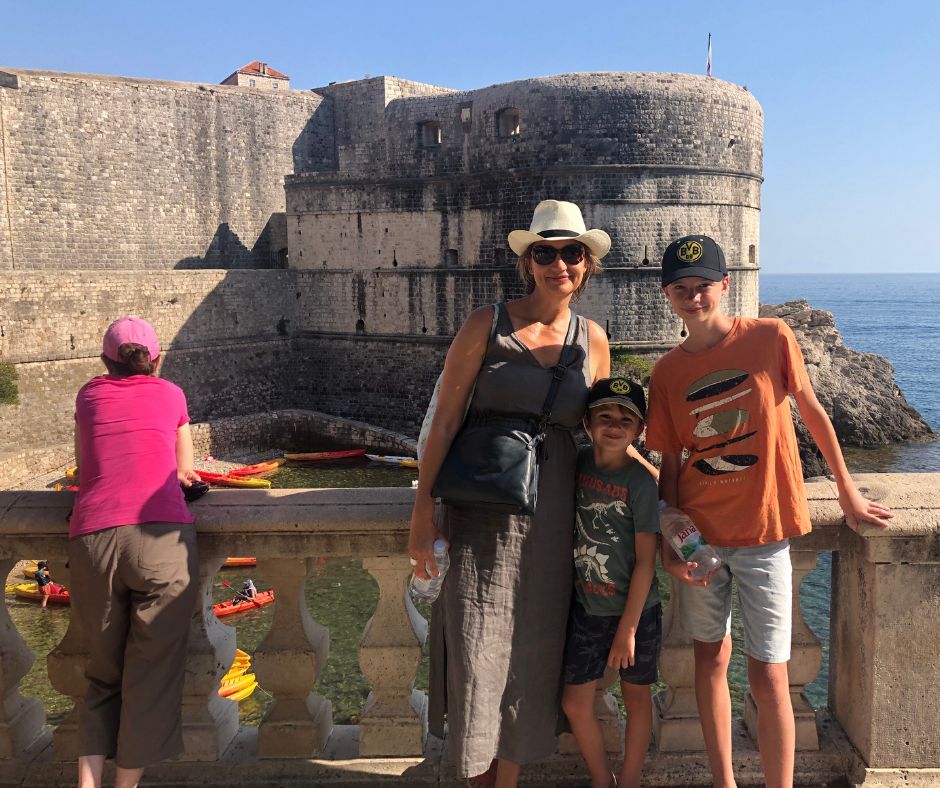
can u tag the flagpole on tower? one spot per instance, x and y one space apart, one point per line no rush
708 59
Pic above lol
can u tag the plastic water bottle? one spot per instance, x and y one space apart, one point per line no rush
426 591
687 541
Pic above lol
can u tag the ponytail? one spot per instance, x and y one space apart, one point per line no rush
135 360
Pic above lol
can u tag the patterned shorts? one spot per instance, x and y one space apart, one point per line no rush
590 638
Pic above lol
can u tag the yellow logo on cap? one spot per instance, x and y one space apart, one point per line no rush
620 387
689 252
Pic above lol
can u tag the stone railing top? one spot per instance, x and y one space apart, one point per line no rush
374 521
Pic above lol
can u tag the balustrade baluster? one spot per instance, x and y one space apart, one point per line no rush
22 720
676 725
288 663
804 666
66 665
209 721
394 720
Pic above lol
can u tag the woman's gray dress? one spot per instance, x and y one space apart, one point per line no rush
498 628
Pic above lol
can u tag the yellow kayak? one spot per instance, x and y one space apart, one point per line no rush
388 459
243 693
236 684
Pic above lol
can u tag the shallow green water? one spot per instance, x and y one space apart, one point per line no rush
342 597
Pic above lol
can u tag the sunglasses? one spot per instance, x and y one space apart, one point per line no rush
545 255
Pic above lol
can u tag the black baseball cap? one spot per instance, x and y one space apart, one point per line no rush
618 391
694 255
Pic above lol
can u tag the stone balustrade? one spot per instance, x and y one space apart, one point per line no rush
882 726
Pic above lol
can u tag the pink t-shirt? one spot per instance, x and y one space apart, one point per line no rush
127 453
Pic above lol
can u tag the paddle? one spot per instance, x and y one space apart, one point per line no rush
242 594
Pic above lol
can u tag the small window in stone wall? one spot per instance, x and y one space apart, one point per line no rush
752 254
429 133
507 122
251 83
274 85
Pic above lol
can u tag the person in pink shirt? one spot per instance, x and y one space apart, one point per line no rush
132 555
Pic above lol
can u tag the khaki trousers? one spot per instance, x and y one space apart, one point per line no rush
135 588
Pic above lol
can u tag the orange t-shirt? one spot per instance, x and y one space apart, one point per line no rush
742 484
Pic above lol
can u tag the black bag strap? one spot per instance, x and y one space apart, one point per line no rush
559 371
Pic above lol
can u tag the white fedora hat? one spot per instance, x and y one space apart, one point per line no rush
555 220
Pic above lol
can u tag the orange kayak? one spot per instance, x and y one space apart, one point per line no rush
231 561
241 605
261 467
325 455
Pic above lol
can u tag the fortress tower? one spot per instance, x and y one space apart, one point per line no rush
428 182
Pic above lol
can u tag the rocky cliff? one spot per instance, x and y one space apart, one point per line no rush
857 389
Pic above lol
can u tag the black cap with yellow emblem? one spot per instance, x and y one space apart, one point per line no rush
618 391
694 255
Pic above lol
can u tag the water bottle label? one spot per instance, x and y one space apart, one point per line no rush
689 541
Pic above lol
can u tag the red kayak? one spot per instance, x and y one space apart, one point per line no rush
315 456
241 605
31 591
261 467
224 480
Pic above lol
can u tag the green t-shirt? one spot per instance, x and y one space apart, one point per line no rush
611 506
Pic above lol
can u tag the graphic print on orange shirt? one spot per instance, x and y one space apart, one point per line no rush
728 384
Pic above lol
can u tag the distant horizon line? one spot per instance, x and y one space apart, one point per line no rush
765 272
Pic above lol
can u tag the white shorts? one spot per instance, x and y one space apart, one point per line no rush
765 592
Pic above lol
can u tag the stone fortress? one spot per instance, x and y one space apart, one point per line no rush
318 249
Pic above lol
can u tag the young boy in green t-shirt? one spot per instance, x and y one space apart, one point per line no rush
616 618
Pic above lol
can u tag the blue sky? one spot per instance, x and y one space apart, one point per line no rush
850 90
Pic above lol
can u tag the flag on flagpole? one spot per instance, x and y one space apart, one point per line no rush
708 60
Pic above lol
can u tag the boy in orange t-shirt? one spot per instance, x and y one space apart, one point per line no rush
723 396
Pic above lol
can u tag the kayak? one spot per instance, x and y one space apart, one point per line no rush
241 605
31 591
69 487
243 693
223 480
404 462
239 561
261 467
72 472
232 686
325 455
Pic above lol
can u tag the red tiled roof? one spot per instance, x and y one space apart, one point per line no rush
254 68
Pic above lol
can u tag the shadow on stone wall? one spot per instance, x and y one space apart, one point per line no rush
314 149
226 249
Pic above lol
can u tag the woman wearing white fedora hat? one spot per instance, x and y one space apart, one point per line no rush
500 619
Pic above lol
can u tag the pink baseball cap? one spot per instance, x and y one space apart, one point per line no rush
129 329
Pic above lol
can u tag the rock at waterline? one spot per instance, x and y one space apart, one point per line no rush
857 389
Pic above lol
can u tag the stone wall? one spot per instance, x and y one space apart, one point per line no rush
225 335
109 172
393 237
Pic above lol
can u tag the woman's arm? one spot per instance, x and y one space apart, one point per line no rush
460 371
856 507
184 456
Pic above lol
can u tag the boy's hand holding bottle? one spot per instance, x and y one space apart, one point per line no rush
692 560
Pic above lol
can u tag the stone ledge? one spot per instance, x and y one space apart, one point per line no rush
339 767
